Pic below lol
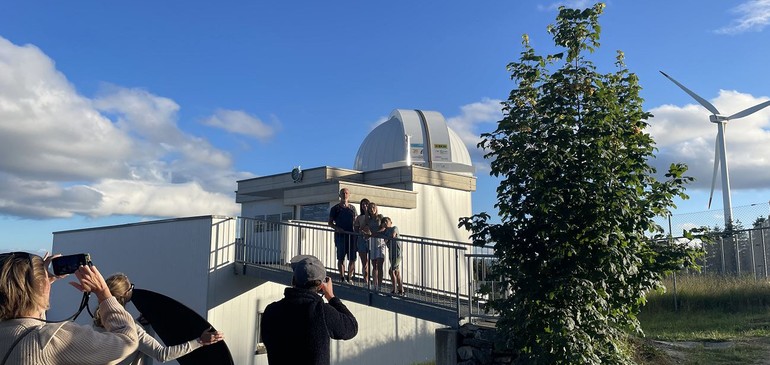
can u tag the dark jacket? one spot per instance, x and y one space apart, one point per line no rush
297 328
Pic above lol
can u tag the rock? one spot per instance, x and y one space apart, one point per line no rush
465 352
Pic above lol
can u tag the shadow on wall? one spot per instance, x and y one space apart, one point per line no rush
400 349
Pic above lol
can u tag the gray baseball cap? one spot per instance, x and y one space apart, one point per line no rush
307 268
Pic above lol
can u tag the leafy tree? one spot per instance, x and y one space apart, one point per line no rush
576 203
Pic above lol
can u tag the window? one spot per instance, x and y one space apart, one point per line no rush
315 212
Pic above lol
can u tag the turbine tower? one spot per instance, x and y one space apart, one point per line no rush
720 149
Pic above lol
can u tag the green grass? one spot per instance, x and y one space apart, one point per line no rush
711 309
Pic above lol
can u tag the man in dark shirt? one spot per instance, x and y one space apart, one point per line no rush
297 329
341 217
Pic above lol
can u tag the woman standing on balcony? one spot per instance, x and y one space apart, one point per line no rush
377 242
360 226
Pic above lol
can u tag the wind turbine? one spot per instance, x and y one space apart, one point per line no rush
720 149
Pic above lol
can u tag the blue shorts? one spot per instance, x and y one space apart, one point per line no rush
363 244
346 246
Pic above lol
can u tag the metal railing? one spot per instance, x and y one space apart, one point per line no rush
482 284
433 270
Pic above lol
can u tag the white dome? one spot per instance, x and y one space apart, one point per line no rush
402 141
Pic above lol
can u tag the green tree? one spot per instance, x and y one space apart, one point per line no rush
576 203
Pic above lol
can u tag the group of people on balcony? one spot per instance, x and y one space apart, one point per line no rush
372 236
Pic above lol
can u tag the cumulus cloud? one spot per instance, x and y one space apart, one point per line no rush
474 119
752 15
684 134
46 129
122 152
239 122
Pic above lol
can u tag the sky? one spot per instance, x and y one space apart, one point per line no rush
121 112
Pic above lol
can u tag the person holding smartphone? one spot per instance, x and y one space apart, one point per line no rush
298 328
28 338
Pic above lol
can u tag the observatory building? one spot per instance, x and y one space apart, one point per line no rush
413 166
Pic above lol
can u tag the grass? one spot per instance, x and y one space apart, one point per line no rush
720 320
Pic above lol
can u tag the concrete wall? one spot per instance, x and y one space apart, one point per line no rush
170 256
383 337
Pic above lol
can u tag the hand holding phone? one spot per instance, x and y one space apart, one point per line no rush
64 265
326 288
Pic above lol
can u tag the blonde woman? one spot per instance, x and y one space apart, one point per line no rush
27 338
377 242
121 288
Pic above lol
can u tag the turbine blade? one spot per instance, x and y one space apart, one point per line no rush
695 96
750 111
716 168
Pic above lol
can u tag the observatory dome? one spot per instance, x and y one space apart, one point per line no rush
414 137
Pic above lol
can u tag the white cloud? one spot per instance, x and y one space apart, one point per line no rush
570 4
684 134
162 199
46 129
752 15
474 119
240 122
63 154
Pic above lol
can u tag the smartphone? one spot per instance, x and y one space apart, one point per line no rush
64 265
321 288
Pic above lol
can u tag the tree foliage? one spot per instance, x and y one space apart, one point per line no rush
576 203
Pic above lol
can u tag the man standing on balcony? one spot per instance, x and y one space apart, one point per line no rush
341 218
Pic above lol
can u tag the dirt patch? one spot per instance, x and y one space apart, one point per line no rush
653 352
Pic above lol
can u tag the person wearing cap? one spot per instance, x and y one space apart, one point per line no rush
298 328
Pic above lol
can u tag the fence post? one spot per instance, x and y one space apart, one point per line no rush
737 246
676 303
764 253
671 242
753 259
299 242
471 269
457 285
722 254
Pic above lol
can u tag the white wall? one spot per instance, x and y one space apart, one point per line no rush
170 257
262 207
383 337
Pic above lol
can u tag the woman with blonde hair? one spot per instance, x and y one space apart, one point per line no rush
378 245
122 289
25 289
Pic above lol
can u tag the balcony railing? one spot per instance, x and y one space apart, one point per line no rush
435 272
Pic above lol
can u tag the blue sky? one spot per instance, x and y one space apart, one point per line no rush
117 112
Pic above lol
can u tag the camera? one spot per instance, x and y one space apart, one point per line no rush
64 265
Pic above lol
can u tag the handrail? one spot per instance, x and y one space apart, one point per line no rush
432 269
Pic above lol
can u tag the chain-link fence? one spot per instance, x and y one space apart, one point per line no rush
744 250
747 216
